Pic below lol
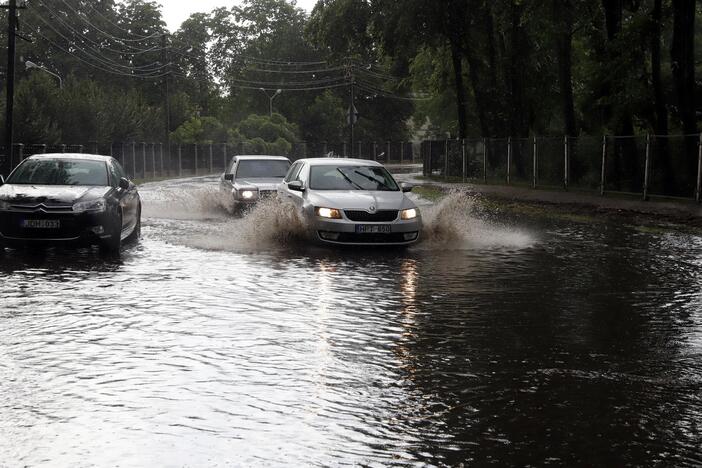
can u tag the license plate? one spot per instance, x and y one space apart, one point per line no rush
41 223
372 228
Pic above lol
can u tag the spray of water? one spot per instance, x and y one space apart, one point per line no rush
454 223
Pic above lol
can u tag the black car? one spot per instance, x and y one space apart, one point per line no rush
69 198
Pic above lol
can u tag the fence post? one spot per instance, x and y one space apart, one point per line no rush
565 163
446 144
143 157
134 171
160 148
646 167
211 163
344 151
20 151
153 160
324 149
387 153
463 158
485 160
509 157
360 150
63 148
224 157
698 195
604 164
180 160
535 156
195 145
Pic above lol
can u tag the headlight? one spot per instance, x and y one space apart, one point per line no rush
331 213
408 214
4 206
247 194
94 206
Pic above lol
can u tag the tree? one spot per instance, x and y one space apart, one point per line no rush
264 134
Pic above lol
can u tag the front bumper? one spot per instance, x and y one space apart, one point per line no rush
344 232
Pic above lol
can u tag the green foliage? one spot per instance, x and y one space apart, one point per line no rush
200 130
263 134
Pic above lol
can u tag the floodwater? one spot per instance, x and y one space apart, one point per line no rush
232 342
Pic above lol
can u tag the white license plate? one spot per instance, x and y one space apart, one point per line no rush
372 228
41 223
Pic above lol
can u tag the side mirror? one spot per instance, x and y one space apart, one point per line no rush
405 187
2 180
297 186
229 177
123 183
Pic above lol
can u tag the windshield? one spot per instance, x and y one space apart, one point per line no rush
60 172
252 169
351 178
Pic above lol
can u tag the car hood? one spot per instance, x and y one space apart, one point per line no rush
50 194
261 184
360 200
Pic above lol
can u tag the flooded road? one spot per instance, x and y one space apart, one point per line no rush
231 342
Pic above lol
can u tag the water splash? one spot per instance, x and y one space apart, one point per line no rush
454 222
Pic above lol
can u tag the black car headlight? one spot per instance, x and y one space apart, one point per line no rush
92 206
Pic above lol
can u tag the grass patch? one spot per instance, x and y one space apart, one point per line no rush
429 192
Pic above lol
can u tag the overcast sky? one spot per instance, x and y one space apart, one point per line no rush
177 11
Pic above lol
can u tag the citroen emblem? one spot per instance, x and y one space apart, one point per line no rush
371 209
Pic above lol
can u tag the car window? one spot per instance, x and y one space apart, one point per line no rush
232 166
262 168
60 172
293 172
373 178
116 172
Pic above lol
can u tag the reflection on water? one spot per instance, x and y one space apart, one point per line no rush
581 346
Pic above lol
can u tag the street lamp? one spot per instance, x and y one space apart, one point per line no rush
29 64
270 99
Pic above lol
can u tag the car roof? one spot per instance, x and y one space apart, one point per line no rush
83 156
263 156
340 162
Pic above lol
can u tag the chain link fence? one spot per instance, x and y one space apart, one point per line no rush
145 160
647 165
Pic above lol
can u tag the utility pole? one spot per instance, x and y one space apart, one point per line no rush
166 96
11 32
352 114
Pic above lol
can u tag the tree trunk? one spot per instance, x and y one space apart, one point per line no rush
683 62
460 89
662 166
564 11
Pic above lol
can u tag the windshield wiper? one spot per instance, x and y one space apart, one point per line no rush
358 187
371 178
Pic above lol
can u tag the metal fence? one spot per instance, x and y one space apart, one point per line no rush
151 160
648 165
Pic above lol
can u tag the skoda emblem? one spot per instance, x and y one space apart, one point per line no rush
371 209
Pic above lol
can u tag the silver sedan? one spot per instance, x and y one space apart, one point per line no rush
352 201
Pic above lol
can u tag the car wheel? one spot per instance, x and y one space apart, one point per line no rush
136 233
113 244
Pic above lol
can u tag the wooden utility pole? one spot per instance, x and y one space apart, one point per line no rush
166 96
11 35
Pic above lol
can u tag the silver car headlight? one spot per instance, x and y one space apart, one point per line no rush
330 213
92 206
248 194
408 214
4 206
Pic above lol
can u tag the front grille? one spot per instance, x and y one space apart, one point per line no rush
40 208
391 238
378 217
264 194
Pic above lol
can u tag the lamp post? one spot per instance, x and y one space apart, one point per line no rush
29 64
270 99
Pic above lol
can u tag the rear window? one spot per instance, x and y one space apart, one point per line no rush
60 172
259 169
